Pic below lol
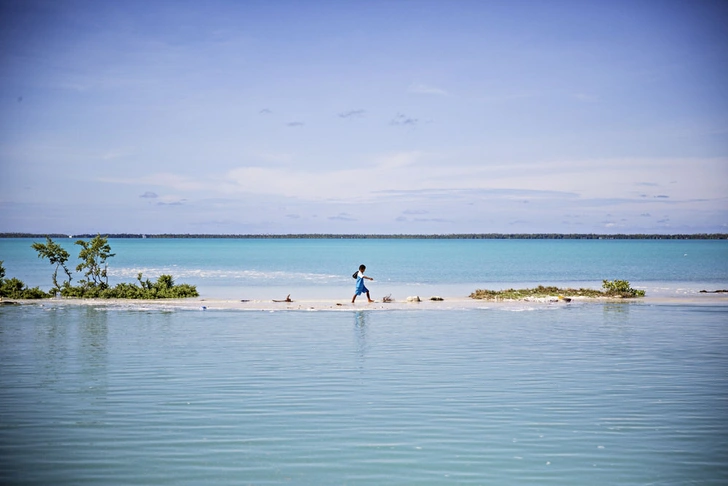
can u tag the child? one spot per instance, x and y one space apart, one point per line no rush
360 287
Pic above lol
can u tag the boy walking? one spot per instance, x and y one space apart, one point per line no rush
360 287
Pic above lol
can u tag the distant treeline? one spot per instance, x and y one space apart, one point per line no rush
454 236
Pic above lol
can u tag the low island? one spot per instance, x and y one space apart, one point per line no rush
615 289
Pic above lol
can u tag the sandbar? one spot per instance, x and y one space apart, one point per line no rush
447 303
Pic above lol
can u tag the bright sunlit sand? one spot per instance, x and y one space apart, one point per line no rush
448 303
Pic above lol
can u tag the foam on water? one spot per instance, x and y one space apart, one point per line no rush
255 276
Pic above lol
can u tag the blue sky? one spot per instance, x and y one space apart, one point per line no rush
363 117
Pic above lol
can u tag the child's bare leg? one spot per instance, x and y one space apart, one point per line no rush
369 298
353 299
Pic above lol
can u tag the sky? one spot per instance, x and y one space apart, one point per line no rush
406 117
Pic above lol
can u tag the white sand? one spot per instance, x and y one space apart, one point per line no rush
449 303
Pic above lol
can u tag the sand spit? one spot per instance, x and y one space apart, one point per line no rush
446 303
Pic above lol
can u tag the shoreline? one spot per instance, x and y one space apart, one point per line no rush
446 304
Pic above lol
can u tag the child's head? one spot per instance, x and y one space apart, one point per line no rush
362 268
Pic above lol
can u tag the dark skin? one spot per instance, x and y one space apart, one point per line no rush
361 269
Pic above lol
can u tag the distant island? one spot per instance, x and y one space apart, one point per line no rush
453 236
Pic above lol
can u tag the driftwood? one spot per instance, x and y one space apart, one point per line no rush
287 299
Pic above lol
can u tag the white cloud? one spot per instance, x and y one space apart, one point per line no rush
416 176
381 172
420 88
342 217
171 200
169 180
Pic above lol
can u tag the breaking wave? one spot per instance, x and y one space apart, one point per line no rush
253 276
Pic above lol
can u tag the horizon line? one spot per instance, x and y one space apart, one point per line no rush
375 235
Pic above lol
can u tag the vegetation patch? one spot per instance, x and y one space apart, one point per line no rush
95 282
13 288
611 288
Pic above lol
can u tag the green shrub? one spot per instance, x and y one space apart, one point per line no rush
612 288
163 288
94 256
35 293
13 288
620 288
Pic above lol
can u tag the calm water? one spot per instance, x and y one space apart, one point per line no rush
591 394
627 393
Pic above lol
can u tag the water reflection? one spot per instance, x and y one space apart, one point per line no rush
616 323
360 330
94 329
93 341
51 344
616 312
72 342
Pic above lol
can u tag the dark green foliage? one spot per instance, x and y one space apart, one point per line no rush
93 255
620 288
56 255
93 261
13 288
163 288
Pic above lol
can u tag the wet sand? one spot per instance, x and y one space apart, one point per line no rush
448 303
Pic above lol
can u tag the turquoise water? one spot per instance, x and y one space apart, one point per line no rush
603 394
631 393
230 268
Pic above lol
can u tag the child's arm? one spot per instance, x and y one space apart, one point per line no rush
368 278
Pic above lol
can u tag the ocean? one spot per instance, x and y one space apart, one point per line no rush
313 268
603 393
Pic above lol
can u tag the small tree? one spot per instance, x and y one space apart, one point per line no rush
93 256
56 255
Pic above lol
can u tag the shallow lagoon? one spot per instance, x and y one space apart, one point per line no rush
607 393
321 269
